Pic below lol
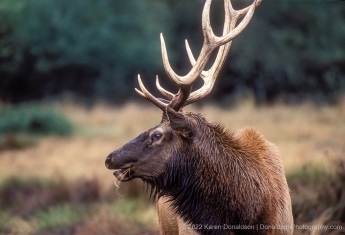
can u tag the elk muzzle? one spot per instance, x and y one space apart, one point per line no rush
123 169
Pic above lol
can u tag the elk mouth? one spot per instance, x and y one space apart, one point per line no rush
123 174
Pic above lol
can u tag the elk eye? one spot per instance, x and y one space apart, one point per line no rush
156 136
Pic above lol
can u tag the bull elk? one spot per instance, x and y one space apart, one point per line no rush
207 180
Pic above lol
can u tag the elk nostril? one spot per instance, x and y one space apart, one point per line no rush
108 161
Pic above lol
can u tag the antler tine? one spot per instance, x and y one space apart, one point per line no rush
192 59
241 26
209 76
187 80
231 18
164 92
243 11
160 103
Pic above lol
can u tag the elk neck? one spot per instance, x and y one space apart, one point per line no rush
212 170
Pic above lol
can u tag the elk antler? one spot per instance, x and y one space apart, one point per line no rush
184 96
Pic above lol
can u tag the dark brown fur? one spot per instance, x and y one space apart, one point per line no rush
210 176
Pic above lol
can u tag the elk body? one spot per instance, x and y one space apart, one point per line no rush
207 180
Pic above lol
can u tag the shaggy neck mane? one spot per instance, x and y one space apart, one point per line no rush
205 185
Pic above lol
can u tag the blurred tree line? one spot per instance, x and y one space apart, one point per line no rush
94 49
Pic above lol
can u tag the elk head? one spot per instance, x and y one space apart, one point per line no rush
146 156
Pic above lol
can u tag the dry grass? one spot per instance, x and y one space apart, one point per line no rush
304 134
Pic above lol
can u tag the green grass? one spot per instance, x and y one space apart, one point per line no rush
57 218
60 206
17 141
35 119
21 126
307 174
317 194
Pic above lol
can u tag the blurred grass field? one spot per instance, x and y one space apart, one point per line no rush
59 185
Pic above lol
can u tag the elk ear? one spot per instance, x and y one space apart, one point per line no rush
179 123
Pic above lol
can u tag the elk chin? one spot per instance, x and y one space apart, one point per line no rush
123 174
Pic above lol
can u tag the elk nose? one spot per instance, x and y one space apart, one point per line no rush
108 161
